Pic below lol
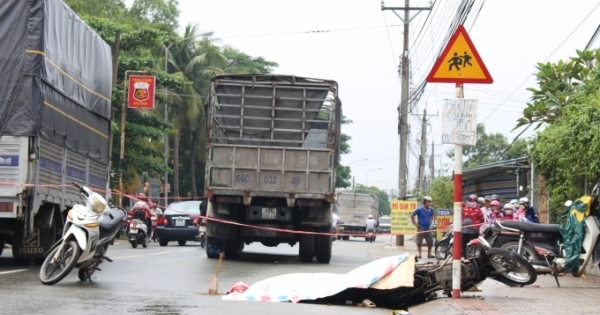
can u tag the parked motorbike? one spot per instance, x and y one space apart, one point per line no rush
429 278
138 233
543 245
370 236
443 247
86 236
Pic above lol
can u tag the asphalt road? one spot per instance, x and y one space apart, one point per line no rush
174 280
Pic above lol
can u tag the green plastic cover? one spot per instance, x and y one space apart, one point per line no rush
572 233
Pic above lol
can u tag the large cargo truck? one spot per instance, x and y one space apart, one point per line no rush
54 120
272 151
354 210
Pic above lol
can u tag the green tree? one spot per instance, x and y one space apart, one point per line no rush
240 62
382 196
157 12
491 148
441 190
567 101
343 173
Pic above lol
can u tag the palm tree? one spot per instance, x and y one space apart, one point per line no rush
196 62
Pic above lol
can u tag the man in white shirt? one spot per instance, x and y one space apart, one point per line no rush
334 222
371 223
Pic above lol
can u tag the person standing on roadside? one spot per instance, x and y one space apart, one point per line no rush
425 216
334 222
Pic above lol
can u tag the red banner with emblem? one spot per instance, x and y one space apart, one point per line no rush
141 91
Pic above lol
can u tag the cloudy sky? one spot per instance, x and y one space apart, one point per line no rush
357 44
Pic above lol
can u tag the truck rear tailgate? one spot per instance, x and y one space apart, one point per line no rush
233 169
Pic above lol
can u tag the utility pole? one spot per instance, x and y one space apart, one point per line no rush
423 152
431 163
403 108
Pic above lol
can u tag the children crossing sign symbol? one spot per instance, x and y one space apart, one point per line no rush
459 62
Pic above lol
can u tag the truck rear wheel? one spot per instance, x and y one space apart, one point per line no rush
307 248
233 249
1 244
323 248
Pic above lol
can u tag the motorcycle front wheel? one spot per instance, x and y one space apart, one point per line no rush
52 272
441 249
517 270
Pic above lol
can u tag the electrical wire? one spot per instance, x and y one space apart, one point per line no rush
526 79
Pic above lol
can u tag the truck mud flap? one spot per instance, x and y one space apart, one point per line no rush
53 247
36 245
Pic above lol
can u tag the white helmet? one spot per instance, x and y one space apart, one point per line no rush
524 200
427 198
370 216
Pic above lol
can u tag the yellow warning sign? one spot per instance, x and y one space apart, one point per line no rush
460 62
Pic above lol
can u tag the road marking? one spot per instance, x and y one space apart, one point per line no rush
12 271
189 249
161 253
123 257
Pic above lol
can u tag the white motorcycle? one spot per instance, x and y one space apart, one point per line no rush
87 233
138 233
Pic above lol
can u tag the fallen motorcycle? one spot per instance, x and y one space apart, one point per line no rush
393 281
86 236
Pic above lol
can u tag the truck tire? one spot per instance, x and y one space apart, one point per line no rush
233 249
212 249
307 248
323 248
1 244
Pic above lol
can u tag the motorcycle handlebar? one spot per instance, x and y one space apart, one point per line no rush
80 189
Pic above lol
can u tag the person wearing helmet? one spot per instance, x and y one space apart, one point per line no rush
530 212
487 211
509 210
371 223
472 213
141 210
425 216
496 215
521 212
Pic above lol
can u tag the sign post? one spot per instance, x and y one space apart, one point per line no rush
459 63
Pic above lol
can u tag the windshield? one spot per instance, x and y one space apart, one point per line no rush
384 221
184 207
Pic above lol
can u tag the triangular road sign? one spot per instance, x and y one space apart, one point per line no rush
460 62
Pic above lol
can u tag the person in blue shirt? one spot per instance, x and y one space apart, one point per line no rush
425 215
530 211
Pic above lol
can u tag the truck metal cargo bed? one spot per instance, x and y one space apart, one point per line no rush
272 135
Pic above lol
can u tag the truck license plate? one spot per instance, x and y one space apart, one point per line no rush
269 213
179 222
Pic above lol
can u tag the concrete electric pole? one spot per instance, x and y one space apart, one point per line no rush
423 152
403 108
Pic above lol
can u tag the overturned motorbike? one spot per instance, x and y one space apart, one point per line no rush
86 236
498 264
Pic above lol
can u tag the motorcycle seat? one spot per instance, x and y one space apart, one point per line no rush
531 227
108 225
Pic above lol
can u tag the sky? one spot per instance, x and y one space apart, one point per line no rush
358 45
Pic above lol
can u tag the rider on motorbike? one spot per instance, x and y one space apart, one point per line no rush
141 211
371 224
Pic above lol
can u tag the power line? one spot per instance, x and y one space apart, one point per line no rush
520 85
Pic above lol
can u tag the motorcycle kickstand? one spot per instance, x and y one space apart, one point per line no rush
554 273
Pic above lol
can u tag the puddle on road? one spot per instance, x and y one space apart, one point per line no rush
161 309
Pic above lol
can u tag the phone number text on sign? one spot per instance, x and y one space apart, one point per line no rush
459 121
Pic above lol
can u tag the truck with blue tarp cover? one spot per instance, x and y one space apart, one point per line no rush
55 103
272 152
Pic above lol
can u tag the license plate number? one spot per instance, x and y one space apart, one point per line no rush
269 213
179 222
133 231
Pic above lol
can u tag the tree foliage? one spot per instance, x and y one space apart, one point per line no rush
441 190
382 196
343 173
567 101
490 148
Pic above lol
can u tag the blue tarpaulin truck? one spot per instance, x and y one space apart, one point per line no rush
55 99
